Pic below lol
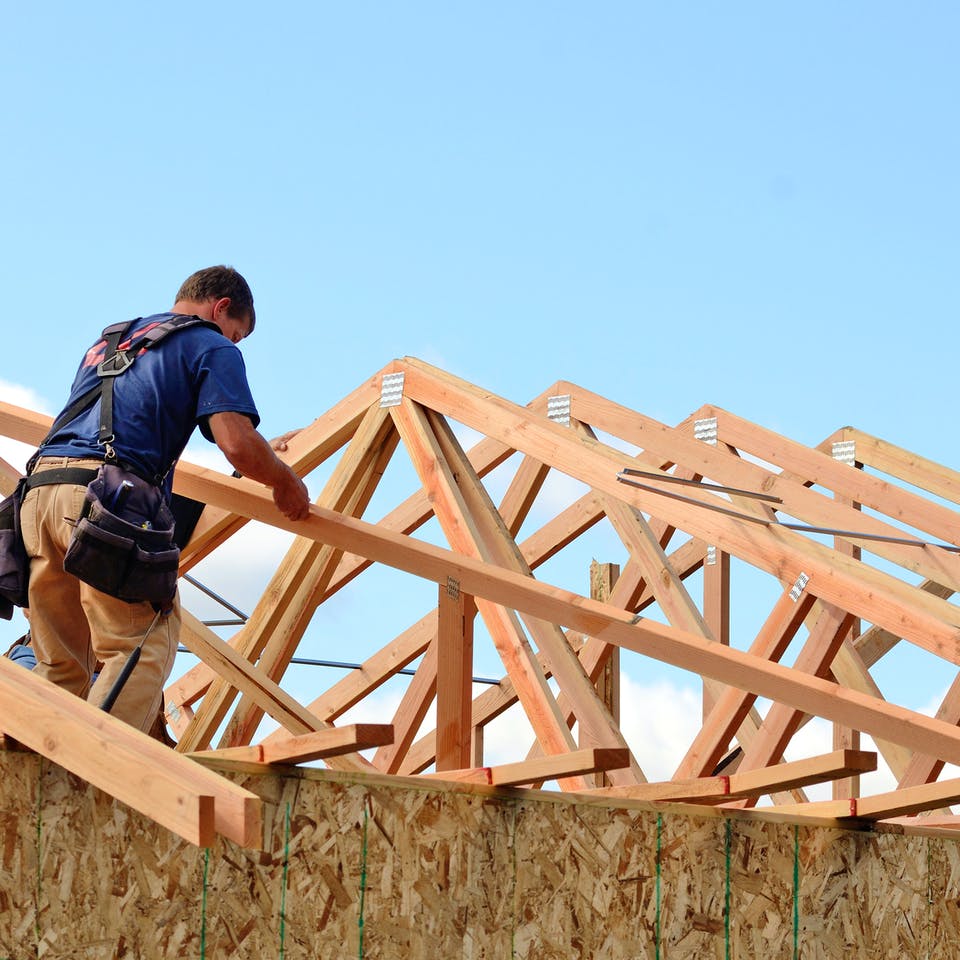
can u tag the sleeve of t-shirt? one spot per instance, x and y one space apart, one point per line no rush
223 387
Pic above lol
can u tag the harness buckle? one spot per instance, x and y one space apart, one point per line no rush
115 365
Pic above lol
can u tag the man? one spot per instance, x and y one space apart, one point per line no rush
195 376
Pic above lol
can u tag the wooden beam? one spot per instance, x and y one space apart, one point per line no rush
349 490
407 518
667 587
412 709
526 484
506 587
120 760
241 674
716 609
919 471
755 783
289 600
850 670
603 578
594 719
733 704
494 701
541 545
285 583
305 451
863 590
373 672
461 533
10 476
818 466
305 747
877 642
846 737
901 802
456 612
552 767
923 768
797 500
495 543
782 720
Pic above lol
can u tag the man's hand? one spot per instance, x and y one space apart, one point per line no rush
253 457
279 444
291 498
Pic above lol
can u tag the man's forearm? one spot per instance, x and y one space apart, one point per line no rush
253 457
256 460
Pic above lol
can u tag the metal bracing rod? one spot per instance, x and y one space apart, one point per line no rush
803 528
341 665
214 596
715 487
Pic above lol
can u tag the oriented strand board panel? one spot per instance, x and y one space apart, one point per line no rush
378 867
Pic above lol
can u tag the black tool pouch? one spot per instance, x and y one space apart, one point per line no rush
122 543
14 562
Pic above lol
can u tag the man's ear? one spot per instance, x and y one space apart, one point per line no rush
222 306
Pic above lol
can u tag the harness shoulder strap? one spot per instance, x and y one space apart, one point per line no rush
115 362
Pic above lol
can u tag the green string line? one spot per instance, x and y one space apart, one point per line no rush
283 888
363 879
36 912
726 908
513 915
796 891
203 905
929 903
656 929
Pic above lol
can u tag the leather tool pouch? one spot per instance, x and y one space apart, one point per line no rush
122 543
14 562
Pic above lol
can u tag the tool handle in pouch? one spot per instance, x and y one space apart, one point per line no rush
121 681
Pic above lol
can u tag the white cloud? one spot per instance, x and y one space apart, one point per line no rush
508 738
659 722
14 452
238 571
557 493
467 437
22 396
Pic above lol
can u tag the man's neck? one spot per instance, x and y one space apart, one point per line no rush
192 308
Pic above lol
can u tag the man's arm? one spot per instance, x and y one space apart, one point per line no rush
253 457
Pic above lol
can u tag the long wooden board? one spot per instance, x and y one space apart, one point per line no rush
144 774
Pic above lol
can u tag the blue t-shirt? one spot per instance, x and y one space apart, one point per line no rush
170 389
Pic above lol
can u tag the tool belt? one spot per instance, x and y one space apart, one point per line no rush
122 542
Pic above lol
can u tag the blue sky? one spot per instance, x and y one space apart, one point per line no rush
752 205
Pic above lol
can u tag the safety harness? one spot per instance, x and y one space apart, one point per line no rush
116 361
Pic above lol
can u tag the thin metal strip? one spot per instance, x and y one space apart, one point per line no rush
558 409
391 389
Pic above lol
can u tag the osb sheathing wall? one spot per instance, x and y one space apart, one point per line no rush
360 866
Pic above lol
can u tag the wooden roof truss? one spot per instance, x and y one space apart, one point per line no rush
858 538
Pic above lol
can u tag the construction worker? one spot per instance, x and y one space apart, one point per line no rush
194 377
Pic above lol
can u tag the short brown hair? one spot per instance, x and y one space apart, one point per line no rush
217 282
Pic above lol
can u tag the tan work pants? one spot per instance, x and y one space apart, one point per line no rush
73 626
